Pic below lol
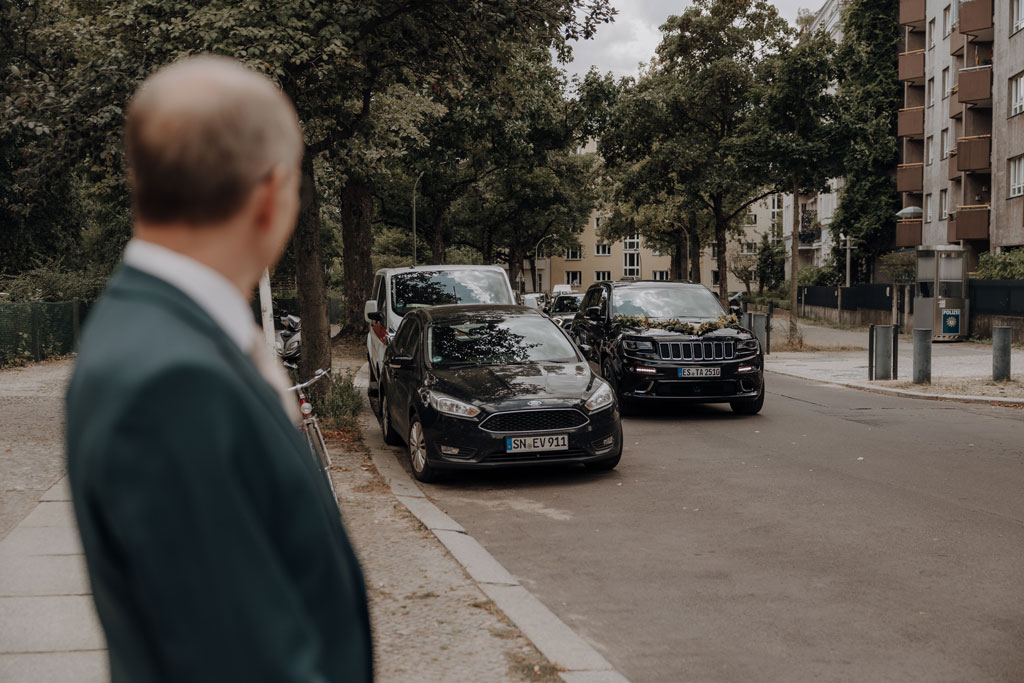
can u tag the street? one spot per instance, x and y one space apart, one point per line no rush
839 536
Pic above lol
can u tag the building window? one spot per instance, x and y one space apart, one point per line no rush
714 278
931 92
929 149
602 249
573 254
943 205
714 250
659 274
749 248
750 218
944 143
631 264
1016 15
1017 92
945 83
597 222
573 277
776 208
631 243
602 275
931 33
1017 176
945 20
928 208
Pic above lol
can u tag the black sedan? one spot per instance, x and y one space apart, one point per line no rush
482 386
564 308
669 341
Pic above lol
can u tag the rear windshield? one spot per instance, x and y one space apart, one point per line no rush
567 304
438 287
498 341
666 302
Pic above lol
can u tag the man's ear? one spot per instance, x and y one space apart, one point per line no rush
266 197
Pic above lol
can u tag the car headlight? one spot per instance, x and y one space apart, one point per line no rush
638 345
450 406
747 345
601 398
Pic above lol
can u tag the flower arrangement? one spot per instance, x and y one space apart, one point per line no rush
640 322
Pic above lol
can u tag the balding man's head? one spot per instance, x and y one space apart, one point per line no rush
201 134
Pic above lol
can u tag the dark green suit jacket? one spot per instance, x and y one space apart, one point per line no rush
215 549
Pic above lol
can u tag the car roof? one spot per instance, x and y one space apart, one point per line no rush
660 283
420 269
450 312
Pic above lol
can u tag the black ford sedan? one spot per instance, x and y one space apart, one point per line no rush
471 386
663 341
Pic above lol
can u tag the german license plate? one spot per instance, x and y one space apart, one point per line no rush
530 444
700 372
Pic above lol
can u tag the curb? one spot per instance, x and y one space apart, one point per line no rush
577 660
903 393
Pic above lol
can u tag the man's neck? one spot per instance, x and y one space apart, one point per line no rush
212 246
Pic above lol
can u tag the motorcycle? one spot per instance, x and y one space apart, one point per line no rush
288 344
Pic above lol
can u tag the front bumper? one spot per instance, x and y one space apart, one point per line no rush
654 380
598 439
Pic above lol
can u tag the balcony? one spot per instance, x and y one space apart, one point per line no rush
975 85
912 13
969 223
954 168
956 40
972 154
911 66
910 177
908 233
910 122
976 19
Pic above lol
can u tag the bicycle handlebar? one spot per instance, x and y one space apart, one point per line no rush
317 376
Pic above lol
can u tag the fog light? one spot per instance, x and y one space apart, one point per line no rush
645 371
608 442
745 368
604 445
449 450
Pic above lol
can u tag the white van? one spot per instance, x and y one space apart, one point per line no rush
396 291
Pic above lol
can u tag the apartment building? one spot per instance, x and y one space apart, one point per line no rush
961 127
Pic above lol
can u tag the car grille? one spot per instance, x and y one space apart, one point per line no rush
532 457
683 389
697 350
534 421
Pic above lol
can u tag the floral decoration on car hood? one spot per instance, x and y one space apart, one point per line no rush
639 322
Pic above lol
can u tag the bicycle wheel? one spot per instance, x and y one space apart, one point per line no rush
317 444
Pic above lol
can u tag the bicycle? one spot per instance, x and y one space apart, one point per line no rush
311 426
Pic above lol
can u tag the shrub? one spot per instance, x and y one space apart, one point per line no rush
50 283
1006 266
815 276
340 405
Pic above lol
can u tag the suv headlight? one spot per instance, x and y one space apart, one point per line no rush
601 398
638 345
450 406
747 345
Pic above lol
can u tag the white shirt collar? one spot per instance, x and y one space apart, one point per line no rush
210 290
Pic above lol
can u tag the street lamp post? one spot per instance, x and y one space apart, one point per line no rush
848 240
414 186
536 247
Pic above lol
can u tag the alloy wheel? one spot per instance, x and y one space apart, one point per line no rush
417 447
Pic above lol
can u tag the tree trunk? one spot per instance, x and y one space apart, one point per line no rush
723 263
533 273
794 251
680 258
438 251
357 243
310 282
515 266
695 266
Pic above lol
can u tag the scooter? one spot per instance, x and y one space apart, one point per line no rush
289 340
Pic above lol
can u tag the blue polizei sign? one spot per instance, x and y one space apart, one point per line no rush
951 321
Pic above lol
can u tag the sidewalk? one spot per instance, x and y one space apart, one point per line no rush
960 370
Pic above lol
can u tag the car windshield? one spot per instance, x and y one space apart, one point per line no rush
438 287
498 341
666 302
566 304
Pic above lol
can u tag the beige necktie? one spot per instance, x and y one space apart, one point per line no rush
270 368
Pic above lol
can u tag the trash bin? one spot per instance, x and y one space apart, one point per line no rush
941 302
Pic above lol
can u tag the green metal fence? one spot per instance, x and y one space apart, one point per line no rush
37 331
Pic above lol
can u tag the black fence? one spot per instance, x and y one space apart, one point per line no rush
996 297
38 330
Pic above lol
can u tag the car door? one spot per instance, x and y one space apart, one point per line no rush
377 338
587 332
402 372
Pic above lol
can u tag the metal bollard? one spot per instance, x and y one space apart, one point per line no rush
922 356
760 328
748 320
871 352
1000 354
883 351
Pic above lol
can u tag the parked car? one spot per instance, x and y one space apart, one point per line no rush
564 307
494 386
397 291
533 300
669 341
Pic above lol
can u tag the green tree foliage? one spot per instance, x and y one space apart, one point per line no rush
869 96
744 267
1008 265
771 263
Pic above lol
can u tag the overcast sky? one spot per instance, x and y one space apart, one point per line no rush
633 37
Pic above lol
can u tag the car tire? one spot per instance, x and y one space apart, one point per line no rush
391 437
749 406
421 467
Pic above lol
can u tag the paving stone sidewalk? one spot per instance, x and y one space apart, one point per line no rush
431 621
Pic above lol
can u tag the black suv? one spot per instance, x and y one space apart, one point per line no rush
658 341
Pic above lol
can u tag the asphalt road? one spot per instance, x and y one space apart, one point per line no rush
838 536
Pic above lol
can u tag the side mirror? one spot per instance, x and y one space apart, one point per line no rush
370 312
593 313
396 362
